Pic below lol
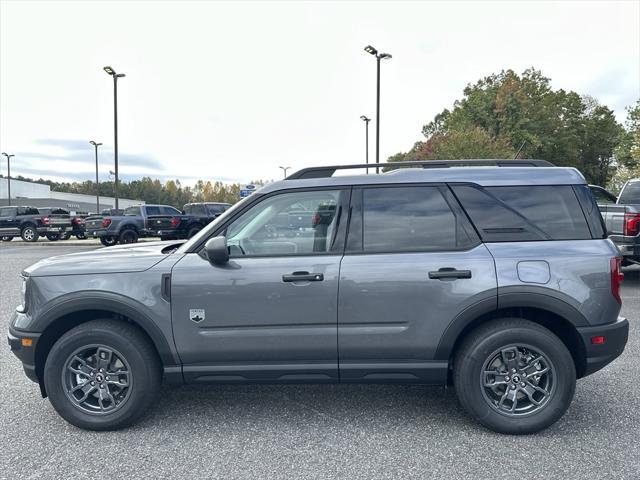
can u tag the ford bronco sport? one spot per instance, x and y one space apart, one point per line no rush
497 279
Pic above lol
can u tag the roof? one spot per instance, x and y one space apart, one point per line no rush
484 176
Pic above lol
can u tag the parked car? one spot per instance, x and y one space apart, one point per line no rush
28 223
622 218
499 280
135 222
194 217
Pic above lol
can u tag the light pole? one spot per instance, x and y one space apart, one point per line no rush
115 76
96 145
366 136
379 56
284 170
8 176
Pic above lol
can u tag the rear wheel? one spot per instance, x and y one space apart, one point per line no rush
128 235
102 375
108 241
30 234
514 376
52 237
193 231
81 236
6 239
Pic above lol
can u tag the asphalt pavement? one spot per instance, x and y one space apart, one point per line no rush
317 431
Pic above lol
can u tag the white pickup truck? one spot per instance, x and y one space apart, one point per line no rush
622 217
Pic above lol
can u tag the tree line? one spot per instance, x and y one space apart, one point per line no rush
507 115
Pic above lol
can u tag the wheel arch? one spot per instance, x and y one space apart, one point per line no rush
62 318
560 318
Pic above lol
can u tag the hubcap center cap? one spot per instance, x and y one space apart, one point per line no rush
99 378
516 379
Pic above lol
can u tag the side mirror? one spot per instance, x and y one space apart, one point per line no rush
216 250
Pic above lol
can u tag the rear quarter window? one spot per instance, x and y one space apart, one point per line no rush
630 194
524 213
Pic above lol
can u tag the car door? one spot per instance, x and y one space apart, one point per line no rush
8 221
412 264
270 313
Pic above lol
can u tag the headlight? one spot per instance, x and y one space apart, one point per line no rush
23 294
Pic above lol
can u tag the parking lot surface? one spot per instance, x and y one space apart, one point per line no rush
317 431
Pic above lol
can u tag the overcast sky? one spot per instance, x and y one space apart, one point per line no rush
232 91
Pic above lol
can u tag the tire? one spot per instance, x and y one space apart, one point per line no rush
121 401
193 230
65 236
6 239
53 237
128 235
29 233
81 236
518 341
108 241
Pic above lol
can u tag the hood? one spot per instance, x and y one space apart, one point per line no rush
129 258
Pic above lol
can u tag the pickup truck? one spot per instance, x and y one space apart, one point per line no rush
194 217
135 222
622 218
28 223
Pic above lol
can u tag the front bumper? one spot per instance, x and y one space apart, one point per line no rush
24 350
600 355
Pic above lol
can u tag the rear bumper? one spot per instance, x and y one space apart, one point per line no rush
600 355
629 246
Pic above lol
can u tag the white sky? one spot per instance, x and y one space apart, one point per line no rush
231 91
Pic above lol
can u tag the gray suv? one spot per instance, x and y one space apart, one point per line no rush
497 279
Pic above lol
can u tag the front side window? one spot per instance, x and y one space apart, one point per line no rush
630 194
133 211
416 218
298 223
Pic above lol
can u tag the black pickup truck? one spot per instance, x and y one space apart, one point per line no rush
194 217
135 222
29 223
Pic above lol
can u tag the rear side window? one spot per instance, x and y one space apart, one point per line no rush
153 211
397 219
630 194
524 213
587 199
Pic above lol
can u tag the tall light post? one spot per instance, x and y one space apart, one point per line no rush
96 145
115 76
8 176
379 56
284 170
366 136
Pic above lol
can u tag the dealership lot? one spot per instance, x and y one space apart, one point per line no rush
316 431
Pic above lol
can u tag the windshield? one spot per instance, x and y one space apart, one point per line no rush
630 194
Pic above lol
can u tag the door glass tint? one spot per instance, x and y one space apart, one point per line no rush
630 194
154 211
524 213
398 219
300 223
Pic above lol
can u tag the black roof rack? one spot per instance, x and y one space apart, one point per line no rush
328 171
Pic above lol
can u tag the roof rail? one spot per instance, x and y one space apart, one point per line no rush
328 171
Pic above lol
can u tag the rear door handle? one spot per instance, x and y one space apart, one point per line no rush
303 277
449 273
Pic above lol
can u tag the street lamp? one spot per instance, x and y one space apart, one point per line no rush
96 145
284 170
115 76
8 176
379 56
366 144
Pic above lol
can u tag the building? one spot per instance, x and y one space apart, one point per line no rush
39 195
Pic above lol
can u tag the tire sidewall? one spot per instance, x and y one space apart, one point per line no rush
141 384
470 392
194 230
127 236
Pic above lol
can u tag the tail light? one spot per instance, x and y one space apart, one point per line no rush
175 221
616 277
76 220
45 220
631 224
106 222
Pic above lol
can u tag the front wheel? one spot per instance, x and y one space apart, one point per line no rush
81 236
52 237
514 376
6 239
128 235
102 375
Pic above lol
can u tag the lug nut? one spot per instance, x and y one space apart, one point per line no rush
522 384
513 387
506 379
93 383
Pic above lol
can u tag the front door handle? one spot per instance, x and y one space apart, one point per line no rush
449 273
303 277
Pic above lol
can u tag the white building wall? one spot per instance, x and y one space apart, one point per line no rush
24 189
